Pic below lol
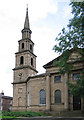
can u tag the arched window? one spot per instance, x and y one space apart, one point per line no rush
21 60
57 96
42 97
22 45
32 61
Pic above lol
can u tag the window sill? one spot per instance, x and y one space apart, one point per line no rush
42 104
59 103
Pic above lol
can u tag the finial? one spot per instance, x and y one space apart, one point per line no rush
27 5
27 11
27 8
26 24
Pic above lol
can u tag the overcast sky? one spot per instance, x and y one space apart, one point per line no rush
47 18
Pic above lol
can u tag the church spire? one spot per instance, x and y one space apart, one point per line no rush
26 24
26 32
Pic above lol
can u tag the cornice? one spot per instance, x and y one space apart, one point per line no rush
27 40
21 82
22 67
25 51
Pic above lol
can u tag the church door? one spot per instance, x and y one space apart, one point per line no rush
76 103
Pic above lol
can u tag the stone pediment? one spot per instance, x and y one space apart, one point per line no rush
74 57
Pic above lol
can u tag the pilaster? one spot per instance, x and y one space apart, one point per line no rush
48 92
66 92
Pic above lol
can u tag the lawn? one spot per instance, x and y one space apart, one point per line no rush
12 114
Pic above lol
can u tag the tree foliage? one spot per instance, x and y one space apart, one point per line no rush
72 38
78 88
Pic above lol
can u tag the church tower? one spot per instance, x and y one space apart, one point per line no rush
25 58
25 66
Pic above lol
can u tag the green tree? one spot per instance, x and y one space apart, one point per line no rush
78 88
70 39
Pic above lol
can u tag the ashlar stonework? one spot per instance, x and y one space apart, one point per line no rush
43 92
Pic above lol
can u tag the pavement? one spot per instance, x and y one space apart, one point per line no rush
48 118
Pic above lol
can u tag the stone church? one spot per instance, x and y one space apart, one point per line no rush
42 92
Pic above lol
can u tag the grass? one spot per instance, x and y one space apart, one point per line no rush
9 117
12 114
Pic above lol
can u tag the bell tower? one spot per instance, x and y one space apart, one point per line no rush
25 66
25 58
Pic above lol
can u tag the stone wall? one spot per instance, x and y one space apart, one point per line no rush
19 96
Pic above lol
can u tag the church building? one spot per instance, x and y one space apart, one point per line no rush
42 92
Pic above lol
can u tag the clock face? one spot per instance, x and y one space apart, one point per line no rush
20 74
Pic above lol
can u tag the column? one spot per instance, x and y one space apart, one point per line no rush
66 102
48 93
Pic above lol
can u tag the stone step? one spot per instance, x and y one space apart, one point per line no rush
66 113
